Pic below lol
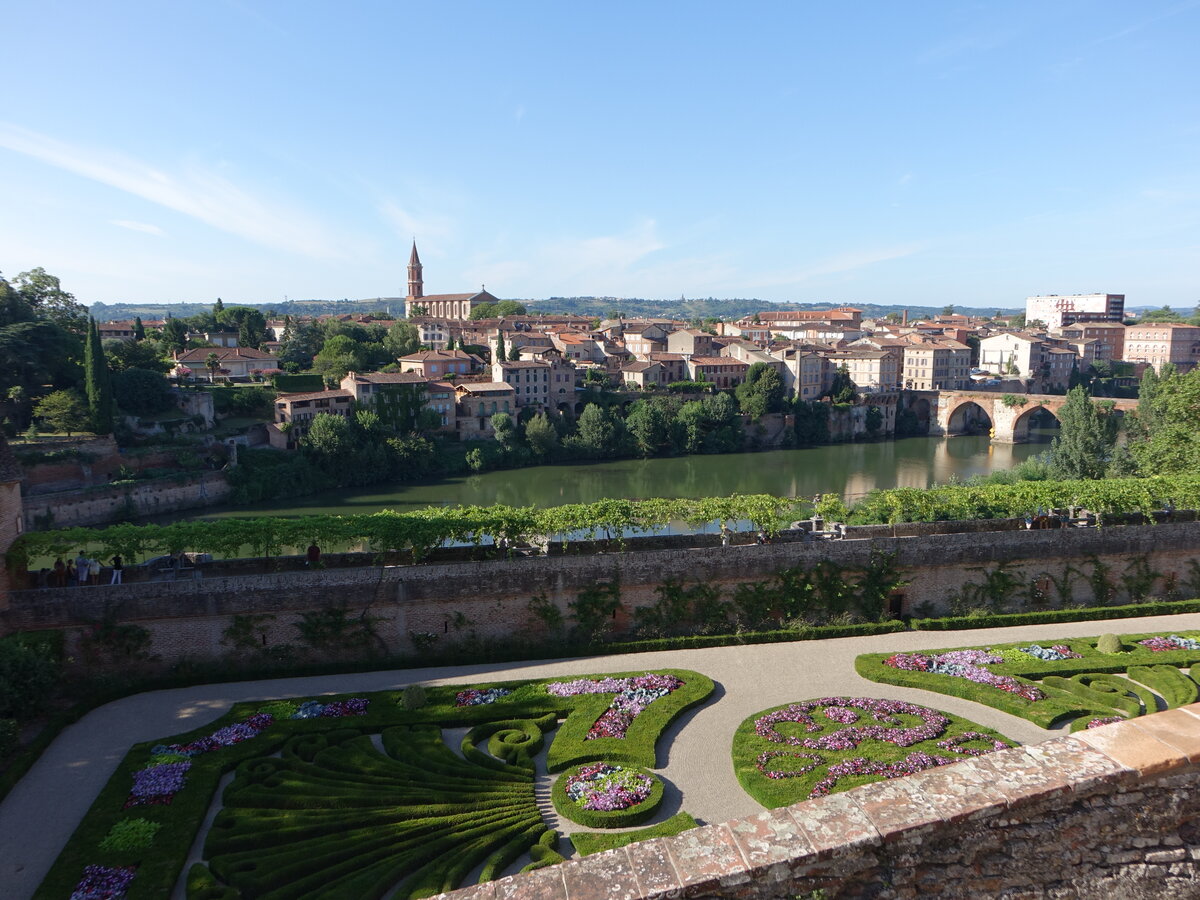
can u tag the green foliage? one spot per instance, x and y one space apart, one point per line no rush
296 384
9 737
587 843
595 609
1013 401
130 834
762 392
619 818
1168 682
402 339
1086 439
1096 613
142 392
1109 643
842 389
546 611
1165 428
29 674
97 385
333 631
812 422
413 697
62 411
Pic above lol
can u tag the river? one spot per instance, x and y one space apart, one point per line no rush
852 469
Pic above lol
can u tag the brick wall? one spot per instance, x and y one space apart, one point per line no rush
1112 813
186 617
10 527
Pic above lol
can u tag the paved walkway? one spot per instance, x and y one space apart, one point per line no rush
42 811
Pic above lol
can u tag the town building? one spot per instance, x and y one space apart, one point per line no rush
446 306
691 342
233 363
441 363
673 366
806 373
643 374
298 410
1159 343
937 366
870 370
1056 310
530 381
116 331
478 401
1109 337
721 371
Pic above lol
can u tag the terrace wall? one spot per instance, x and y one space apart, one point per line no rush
186 617
101 505
1113 813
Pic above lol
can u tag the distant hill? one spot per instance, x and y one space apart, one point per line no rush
595 307
632 307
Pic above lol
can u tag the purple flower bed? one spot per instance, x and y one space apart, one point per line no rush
158 784
914 762
968 664
633 695
315 709
1172 642
1104 720
605 788
882 711
955 744
479 697
104 882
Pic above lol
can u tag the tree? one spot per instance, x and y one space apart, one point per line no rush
97 385
142 392
218 307
596 433
212 362
540 435
403 339
649 424
62 411
300 345
761 392
1168 440
50 302
514 353
948 309
500 354
1085 440
1162 314
139 330
174 335
505 429
498 310
842 389
124 355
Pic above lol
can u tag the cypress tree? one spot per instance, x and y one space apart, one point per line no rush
96 382
139 330
500 354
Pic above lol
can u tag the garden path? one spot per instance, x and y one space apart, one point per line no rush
41 812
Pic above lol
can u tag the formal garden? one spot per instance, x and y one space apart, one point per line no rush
1084 681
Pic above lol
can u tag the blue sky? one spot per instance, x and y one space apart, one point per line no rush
932 153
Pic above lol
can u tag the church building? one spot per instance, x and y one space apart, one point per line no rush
440 306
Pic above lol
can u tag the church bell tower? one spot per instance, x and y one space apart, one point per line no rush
415 283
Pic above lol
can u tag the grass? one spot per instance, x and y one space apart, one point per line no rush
1095 685
748 745
315 806
588 842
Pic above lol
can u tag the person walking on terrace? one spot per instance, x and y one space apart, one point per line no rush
118 569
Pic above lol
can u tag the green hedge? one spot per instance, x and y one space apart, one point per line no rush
331 768
298 384
617 818
587 842
1168 682
1083 614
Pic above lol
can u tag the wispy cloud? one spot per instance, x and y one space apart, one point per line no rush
408 224
194 191
1145 23
138 226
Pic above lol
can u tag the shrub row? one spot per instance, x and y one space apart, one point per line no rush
1084 614
587 842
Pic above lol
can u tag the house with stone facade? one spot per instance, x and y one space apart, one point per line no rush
530 381
478 401
441 363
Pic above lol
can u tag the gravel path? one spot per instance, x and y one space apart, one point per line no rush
38 816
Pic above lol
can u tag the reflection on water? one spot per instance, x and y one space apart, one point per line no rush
853 469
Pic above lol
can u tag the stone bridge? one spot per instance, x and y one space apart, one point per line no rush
959 412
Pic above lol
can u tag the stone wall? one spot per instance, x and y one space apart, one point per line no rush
101 505
490 597
1108 813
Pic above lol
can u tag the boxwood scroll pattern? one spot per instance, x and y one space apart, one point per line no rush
335 817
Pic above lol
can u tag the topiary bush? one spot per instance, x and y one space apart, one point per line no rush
1109 643
413 697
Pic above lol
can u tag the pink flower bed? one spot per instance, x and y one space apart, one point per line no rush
1161 644
633 695
104 883
968 664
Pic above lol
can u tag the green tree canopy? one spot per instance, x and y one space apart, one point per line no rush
44 294
402 339
62 411
142 392
761 392
842 389
541 436
97 383
1168 415
1085 443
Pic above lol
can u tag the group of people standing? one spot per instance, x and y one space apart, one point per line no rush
83 570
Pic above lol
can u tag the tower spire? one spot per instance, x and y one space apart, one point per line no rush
415 283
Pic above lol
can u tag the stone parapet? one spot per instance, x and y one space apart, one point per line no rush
1110 812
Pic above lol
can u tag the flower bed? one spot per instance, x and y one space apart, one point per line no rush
633 695
473 697
847 741
1074 681
104 883
603 795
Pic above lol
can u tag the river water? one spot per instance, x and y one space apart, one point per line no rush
852 469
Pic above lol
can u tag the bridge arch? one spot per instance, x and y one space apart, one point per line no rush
1028 418
968 417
